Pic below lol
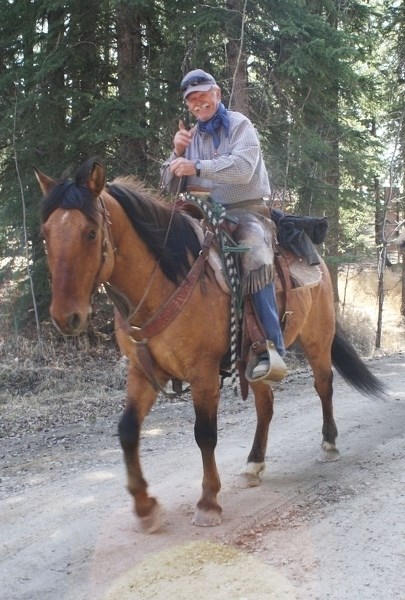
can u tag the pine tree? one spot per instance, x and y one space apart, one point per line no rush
102 78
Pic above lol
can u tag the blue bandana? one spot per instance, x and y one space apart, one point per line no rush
220 119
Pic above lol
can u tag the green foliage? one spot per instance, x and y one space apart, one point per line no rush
101 78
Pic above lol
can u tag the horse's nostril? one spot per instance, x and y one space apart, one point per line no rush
74 321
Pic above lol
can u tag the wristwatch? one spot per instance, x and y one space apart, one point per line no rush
197 165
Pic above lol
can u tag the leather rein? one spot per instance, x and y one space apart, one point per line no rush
169 310
166 314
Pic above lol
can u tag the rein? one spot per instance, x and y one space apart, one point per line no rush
168 311
154 272
216 214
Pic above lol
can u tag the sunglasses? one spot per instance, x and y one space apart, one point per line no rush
193 81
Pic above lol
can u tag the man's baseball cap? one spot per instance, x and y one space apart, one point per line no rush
196 81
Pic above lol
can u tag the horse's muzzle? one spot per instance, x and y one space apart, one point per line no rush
71 324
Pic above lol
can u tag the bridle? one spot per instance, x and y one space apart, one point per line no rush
106 244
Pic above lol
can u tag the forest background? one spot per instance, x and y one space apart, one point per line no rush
322 80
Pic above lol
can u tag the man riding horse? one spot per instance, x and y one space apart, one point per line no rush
221 155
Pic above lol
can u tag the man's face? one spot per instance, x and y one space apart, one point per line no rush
203 105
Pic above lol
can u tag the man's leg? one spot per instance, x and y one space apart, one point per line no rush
266 307
265 304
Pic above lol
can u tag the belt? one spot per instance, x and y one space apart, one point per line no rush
197 188
249 204
254 205
257 205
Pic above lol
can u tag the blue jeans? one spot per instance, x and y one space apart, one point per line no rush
265 304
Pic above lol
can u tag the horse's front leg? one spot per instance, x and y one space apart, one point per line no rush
140 398
205 393
264 399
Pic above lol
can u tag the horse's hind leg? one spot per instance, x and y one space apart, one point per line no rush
140 397
250 476
323 382
205 393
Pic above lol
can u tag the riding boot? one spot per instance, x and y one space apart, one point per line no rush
265 361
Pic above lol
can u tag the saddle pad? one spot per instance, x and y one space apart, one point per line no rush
303 274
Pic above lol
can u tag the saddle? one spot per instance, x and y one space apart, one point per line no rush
292 275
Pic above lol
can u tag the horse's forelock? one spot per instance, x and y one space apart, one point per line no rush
67 194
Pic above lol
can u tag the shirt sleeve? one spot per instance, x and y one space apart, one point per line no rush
168 181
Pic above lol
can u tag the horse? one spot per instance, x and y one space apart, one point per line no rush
126 237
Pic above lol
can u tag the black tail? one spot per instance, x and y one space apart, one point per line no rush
348 363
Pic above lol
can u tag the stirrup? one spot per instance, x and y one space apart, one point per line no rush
276 371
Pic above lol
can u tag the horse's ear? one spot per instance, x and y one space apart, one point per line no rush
96 181
45 183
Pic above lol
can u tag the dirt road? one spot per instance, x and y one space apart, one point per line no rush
311 531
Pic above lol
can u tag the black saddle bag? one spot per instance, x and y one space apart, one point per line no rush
299 234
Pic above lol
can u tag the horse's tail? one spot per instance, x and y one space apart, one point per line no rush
348 363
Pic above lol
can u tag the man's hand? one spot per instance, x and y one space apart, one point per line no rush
183 138
181 167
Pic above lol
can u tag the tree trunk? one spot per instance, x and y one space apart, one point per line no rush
52 104
402 309
131 87
85 73
236 57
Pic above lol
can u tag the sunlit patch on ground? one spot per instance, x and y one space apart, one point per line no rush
202 570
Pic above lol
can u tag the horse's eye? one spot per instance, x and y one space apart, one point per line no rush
92 235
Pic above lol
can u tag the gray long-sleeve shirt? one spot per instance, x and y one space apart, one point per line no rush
233 172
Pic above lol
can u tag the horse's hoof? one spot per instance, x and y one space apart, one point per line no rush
246 481
153 521
329 453
206 518
250 476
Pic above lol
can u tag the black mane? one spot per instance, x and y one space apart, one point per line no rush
168 234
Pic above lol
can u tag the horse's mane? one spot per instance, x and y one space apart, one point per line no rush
166 233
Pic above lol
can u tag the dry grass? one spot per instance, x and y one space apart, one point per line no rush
59 365
62 382
359 312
